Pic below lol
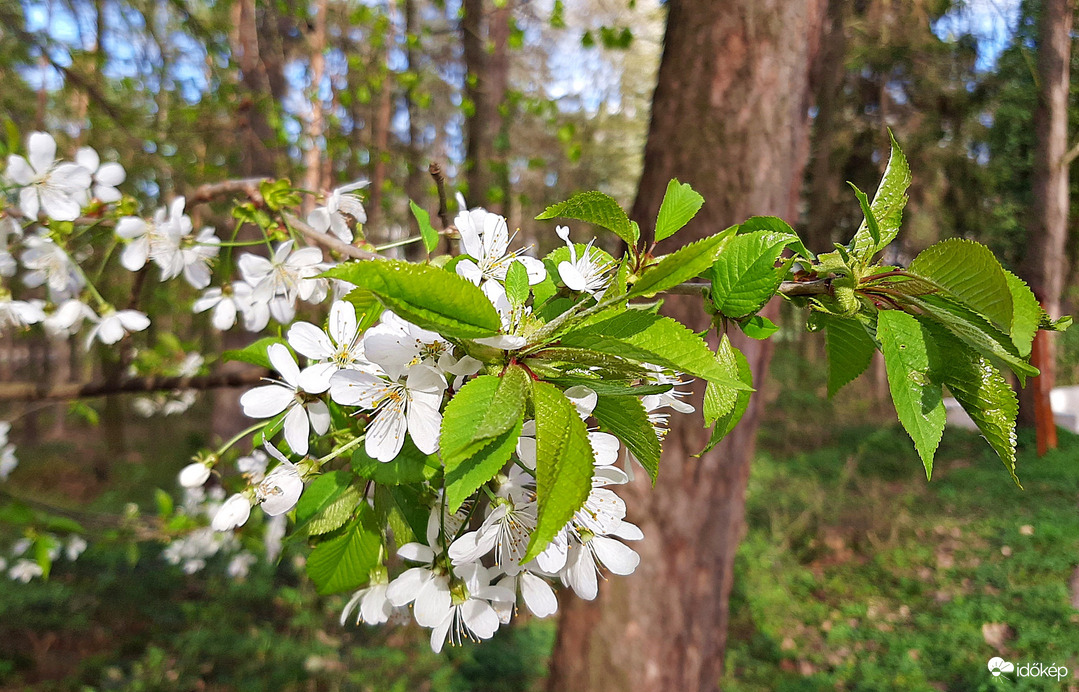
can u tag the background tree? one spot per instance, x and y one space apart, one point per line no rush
729 116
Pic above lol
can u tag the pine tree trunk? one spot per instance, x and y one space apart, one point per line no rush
730 117
1045 268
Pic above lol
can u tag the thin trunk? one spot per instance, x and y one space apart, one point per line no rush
257 135
416 170
1045 268
312 180
825 180
484 37
380 147
730 117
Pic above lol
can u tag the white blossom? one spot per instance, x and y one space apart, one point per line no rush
24 570
114 325
485 237
371 605
338 348
20 313
106 176
50 186
67 319
269 400
589 272
410 406
279 491
331 217
194 475
232 513
48 264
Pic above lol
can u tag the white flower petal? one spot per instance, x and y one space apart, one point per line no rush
538 595
617 557
297 429
266 401
319 414
283 362
309 340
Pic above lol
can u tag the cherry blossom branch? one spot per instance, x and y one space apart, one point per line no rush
32 391
328 241
816 287
443 205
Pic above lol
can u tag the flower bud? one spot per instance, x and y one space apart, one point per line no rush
280 490
194 475
234 512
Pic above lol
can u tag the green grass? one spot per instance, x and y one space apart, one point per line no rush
857 574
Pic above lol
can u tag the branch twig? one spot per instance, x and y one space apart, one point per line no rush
33 391
328 241
443 205
817 287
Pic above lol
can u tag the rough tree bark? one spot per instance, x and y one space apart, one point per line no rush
1045 265
729 116
316 42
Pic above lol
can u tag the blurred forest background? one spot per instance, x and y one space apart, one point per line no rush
853 571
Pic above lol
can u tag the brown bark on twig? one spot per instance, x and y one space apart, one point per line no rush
33 391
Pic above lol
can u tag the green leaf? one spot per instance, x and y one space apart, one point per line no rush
887 206
482 465
480 428
653 339
345 562
403 510
595 208
982 392
720 400
725 423
320 493
776 225
368 309
744 276
680 204
427 231
255 353
627 420
1026 314
971 274
517 283
758 327
427 296
335 515
564 464
681 265
909 354
870 220
409 466
606 387
850 350
977 332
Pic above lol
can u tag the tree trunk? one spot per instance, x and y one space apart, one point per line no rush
312 179
1045 268
729 116
484 36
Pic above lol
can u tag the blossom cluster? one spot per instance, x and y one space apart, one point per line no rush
377 389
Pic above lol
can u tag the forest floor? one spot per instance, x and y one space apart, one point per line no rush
855 574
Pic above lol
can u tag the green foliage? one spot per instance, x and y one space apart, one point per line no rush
850 350
745 277
654 339
564 463
684 264
1027 314
345 561
680 204
887 207
425 295
598 209
719 400
725 422
409 466
970 274
326 503
255 353
517 283
480 428
909 354
427 231
626 419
